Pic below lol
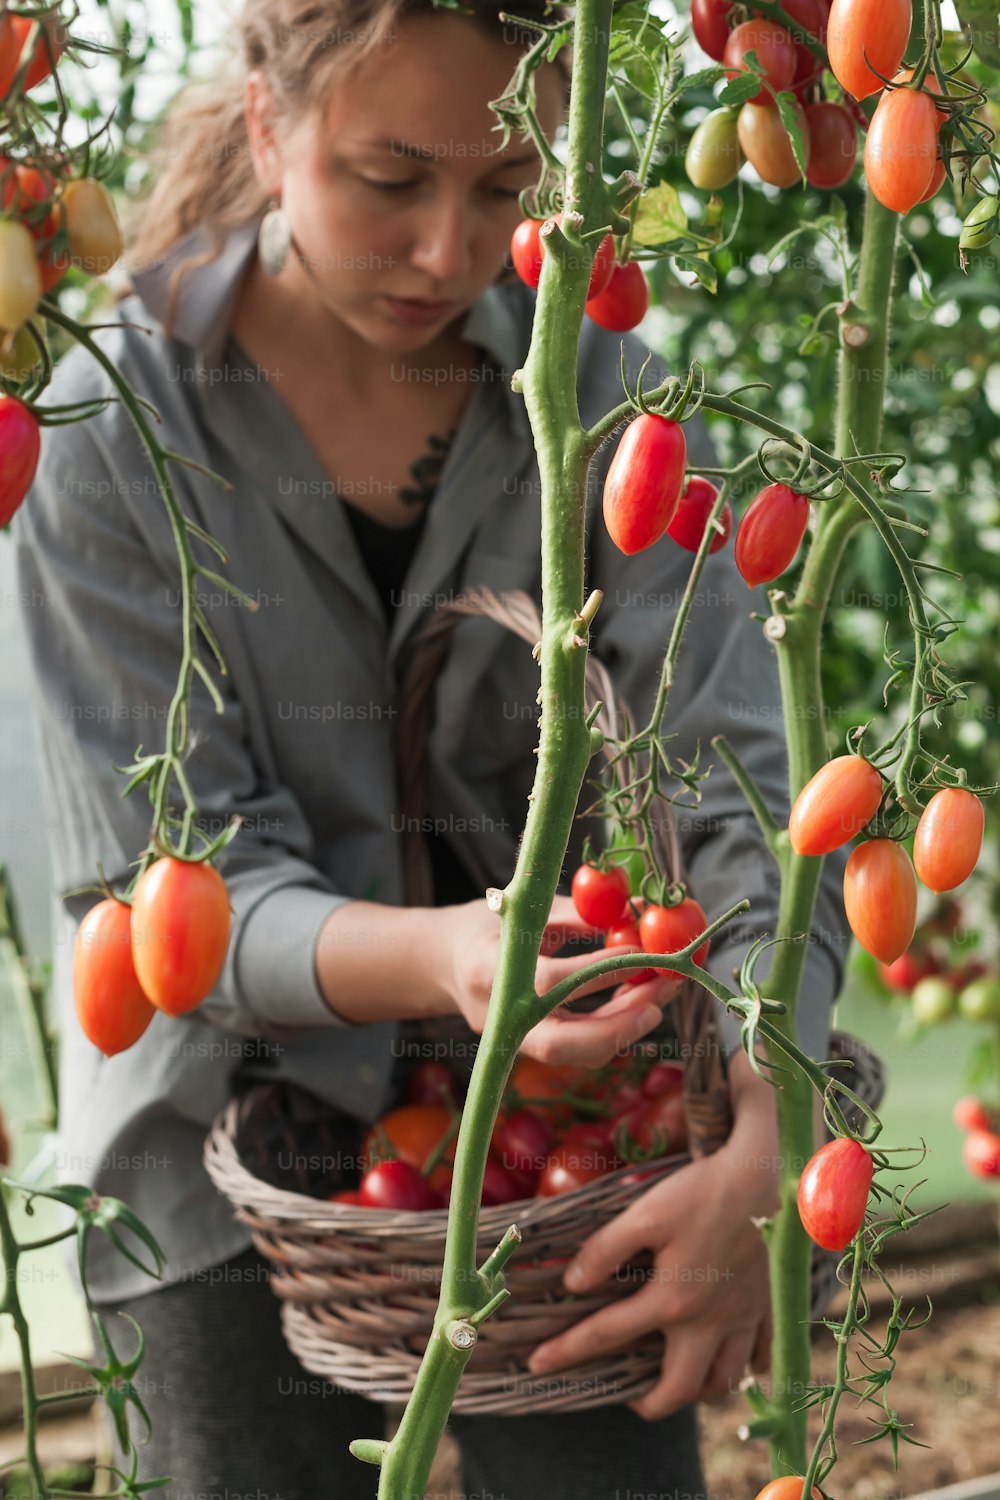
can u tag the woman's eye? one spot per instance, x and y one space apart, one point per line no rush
387 185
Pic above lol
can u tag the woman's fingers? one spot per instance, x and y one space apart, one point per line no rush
592 1040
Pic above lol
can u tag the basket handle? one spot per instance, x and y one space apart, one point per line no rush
694 1011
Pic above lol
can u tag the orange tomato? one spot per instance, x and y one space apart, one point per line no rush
111 1006
949 838
180 933
413 1132
788 1487
880 897
765 144
834 805
901 148
860 32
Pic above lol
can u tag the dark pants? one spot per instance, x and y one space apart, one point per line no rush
235 1417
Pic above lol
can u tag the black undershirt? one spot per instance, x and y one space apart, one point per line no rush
387 552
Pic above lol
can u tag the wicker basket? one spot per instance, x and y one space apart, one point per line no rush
359 1287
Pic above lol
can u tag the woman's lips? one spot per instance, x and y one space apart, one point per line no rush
418 310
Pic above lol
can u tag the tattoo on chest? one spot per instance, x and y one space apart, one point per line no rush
427 470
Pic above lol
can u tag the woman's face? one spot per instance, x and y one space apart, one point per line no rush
399 198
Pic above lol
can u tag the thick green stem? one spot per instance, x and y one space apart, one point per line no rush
564 753
797 634
10 1303
864 335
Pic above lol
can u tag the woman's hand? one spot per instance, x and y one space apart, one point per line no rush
707 1290
563 1037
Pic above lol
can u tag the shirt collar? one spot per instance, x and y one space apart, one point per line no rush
498 322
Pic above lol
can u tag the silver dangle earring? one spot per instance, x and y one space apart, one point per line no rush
274 239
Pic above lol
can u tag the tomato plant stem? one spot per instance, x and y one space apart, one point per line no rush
864 335
566 745
10 1303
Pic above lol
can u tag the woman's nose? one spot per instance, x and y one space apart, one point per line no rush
443 245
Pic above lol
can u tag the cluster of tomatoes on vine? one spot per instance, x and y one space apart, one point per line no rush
163 952
49 220
865 41
558 1129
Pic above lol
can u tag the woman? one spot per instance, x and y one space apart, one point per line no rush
358 401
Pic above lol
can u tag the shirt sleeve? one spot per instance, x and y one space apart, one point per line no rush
726 682
104 631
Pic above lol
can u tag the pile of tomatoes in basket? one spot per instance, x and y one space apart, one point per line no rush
558 1129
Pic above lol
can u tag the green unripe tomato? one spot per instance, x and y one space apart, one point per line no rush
980 1000
635 864
713 155
933 1000
980 225
19 354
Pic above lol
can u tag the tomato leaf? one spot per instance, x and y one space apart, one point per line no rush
741 88
789 109
703 269
661 216
703 79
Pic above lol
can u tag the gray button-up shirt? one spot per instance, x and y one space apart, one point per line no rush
304 751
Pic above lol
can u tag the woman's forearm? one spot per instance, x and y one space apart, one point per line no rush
386 963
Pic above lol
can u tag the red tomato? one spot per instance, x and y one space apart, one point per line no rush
413 1132
834 805
600 895
788 1487
623 303
499 1185
971 1113
688 525
431 1083
667 929
111 1007
30 194
765 144
811 15
349 1195
981 1153
833 144
710 25
901 148
662 1126
581 1157
775 53
526 251
180 933
833 1193
878 28
663 1078
396 1185
905 971
13 35
20 445
533 1080
880 897
770 533
520 1144
949 838
625 934
644 483
937 180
